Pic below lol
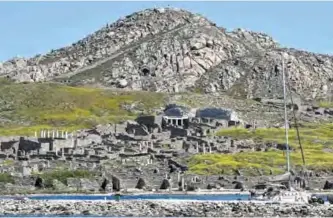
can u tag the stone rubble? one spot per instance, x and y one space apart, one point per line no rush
161 209
148 153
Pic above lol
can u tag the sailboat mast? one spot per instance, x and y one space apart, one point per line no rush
285 116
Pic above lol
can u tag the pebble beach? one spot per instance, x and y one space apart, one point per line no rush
161 208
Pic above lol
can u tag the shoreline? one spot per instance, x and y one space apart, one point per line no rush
175 201
163 208
135 192
201 192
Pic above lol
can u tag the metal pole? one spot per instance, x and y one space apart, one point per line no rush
296 123
285 116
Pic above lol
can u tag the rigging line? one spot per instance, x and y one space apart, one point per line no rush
305 174
295 120
285 116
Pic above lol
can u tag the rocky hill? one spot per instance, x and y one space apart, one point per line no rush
74 138
172 50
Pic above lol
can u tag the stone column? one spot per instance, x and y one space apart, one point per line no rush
183 183
57 134
178 177
36 134
210 149
204 149
197 147
53 134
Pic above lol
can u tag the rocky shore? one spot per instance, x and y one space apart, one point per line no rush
160 208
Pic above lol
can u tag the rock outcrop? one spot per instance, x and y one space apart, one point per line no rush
172 50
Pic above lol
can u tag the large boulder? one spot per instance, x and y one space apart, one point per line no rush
39 183
328 185
115 183
238 185
141 184
165 184
104 184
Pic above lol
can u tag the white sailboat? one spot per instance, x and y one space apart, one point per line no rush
290 195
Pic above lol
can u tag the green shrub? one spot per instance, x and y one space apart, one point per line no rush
325 104
6 178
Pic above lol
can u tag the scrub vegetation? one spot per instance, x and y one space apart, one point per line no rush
26 108
316 141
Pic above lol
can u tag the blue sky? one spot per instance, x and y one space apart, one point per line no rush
29 28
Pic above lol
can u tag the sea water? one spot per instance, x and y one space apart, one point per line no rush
200 197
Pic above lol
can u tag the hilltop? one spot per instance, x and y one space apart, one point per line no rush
173 50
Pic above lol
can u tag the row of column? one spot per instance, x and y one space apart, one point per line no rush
175 121
52 134
204 148
149 161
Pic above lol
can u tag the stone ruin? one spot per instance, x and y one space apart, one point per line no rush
150 142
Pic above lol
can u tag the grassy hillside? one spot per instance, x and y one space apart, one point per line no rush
25 108
316 141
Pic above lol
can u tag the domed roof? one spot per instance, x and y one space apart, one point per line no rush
215 113
173 110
